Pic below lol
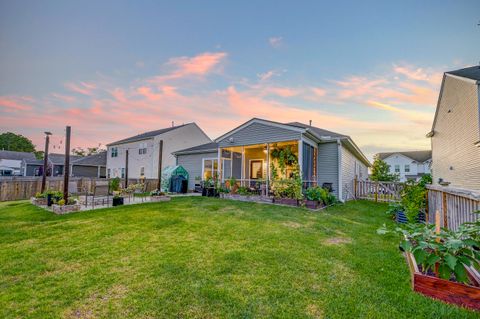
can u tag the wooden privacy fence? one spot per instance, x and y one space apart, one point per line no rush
377 191
456 206
16 188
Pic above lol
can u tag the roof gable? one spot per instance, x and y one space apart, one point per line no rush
418 156
147 135
18 156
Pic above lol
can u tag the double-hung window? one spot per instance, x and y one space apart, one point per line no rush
407 168
114 152
142 149
209 168
397 168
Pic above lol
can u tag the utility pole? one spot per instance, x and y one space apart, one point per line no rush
66 167
45 161
126 169
160 155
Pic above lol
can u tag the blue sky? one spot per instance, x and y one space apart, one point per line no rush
371 69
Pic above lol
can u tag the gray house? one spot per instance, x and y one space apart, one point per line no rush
90 166
246 154
11 162
455 133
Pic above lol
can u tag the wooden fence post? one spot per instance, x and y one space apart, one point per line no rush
426 206
376 191
444 209
354 187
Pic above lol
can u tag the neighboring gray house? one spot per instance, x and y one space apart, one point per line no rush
90 166
245 153
56 163
143 150
455 134
32 167
409 165
11 162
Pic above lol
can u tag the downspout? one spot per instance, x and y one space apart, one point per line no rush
340 177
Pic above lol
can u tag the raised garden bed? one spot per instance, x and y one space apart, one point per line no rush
286 201
247 198
38 201
313 204
65 209
159 198
466 295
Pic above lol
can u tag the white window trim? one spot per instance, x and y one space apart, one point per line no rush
203 165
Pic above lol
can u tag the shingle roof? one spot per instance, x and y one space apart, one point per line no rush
146 135
419 156
198 149
472 72
99 159
318 131
11 155
59 159
34 161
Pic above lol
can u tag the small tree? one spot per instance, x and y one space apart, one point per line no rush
381 171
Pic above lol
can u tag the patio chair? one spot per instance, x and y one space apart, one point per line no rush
101 193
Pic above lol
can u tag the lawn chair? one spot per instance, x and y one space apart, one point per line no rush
100 194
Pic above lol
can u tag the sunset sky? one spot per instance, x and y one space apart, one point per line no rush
111 69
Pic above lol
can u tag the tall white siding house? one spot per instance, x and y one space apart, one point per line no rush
455 134
143 150
410 165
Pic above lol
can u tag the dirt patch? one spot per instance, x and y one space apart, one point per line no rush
95 305
338 241
314 311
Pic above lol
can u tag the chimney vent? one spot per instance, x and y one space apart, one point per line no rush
310 123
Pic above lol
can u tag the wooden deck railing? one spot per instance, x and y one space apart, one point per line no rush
456 206
377 191
16 188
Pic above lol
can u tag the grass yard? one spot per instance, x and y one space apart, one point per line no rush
205 258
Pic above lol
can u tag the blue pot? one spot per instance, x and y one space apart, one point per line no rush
402 218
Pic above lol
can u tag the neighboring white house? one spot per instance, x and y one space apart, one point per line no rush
455 133
410 165
143 150
11 162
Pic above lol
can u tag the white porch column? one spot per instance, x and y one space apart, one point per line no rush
98 171
243 166
300 157
267 183
219 165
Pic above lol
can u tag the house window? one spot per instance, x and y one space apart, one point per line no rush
210 166
123 172
114 152
309 167
108 173
397 168
142 171
407 168
256 169
142 149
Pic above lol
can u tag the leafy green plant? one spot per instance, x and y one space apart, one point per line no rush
313 193
242 190
381 171
115 184
61 202
413 200
393 209
446 253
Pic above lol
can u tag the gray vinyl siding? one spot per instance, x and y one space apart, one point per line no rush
31 169
328 165
257 133
351 167
455 158
193 164
84 171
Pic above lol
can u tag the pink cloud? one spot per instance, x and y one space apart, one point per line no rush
84 88
275 42
9 103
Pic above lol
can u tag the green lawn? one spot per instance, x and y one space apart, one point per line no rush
205 258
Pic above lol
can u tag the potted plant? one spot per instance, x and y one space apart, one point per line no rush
441 261
60 207
117 199
287 191
314 197
158 196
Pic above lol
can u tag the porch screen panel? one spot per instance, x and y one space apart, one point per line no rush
237 165
308 164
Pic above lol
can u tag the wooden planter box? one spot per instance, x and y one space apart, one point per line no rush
286 201
65 209
448 291
159 198
38 201
313 204
247 198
